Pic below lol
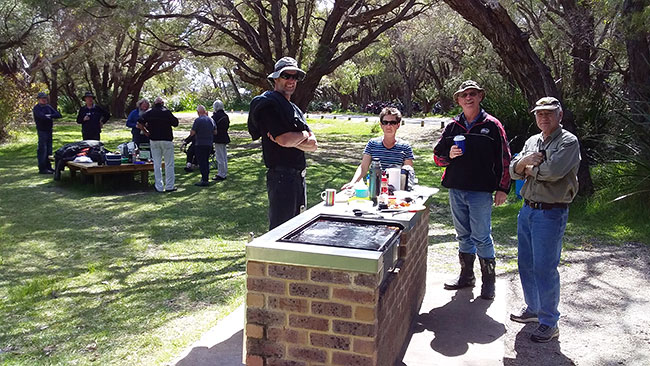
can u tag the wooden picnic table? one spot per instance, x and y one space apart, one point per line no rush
97 171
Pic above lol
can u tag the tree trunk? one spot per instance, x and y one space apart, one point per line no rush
637 78
531 74
235 88
54 87
580 19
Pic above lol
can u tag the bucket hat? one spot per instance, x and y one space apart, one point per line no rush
467 84
286 64
546 103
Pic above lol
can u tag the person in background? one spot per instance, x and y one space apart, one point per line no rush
44 114
549 163
157 124
202 135
390 150
190 155
132 121
472 176
92 118
221 139
285 138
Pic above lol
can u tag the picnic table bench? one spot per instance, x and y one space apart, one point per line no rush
97 171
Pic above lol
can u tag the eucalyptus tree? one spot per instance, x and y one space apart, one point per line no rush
321 35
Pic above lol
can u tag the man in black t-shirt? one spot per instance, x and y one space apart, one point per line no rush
285 138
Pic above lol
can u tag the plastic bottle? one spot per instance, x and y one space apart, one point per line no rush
374 181
384 184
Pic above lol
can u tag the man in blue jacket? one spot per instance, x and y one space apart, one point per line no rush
91 117
44 114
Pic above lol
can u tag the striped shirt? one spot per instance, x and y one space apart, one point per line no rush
394 156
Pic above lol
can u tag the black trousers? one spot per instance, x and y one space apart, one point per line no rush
203 156
287 193
90 135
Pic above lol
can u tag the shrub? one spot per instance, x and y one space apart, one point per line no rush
508 105
68 105
16 104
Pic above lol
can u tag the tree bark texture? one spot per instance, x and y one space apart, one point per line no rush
637 78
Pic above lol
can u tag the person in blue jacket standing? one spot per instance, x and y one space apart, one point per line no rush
132 121
91 117
44 115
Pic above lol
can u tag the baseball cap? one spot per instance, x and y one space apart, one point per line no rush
41 95
546 103
285 64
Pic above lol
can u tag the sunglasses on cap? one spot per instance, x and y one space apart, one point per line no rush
286 76
392 123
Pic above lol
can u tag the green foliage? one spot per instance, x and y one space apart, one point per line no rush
16 103
185 101
68 105
507 104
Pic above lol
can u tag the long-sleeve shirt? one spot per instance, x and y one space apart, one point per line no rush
97 115
484 165
44 115
555 180
159 121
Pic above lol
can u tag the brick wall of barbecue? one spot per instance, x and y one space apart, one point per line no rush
302 316
395 314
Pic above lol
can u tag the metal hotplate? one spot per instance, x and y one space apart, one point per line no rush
345 232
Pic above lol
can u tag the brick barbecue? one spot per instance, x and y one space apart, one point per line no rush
305 314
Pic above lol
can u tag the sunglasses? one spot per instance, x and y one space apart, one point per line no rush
392 123
295 76
471 94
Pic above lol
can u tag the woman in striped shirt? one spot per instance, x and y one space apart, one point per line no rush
390 150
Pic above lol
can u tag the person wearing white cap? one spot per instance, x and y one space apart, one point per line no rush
474 172
44 114
549 163
285 138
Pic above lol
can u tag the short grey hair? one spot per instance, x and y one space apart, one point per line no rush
200 108
158 100
217 105
142 101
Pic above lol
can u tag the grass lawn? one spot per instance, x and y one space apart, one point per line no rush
121 275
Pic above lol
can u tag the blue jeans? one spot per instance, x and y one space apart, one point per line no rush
44 150
472 214
539 233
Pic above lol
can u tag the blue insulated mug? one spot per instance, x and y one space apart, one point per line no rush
460 142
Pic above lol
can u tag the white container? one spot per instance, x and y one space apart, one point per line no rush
394 177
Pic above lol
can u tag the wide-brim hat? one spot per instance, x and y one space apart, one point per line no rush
286 64
546 103
88 94
467 84
41 95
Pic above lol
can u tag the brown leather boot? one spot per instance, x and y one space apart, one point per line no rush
466 278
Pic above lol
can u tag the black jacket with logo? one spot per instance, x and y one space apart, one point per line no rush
484 164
